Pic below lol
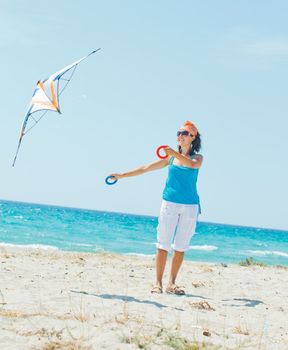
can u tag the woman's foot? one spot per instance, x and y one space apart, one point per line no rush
174 289
157 289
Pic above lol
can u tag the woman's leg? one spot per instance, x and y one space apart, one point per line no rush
167 223
161 258
176 263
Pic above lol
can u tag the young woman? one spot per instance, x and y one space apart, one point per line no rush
180 205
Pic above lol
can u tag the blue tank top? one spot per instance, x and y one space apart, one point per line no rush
181 184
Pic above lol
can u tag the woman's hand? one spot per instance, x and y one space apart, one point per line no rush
116 176
169 151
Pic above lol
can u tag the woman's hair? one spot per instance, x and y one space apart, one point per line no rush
195 145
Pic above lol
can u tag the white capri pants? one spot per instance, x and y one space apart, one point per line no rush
177 220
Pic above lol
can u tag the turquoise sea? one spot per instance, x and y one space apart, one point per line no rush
81 230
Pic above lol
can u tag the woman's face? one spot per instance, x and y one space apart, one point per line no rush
184 138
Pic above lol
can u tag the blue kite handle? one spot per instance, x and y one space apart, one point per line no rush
110 182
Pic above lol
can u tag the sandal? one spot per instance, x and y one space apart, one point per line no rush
157 289
174 289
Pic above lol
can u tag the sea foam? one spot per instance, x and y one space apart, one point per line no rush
268 252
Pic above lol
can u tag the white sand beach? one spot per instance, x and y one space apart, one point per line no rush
61 300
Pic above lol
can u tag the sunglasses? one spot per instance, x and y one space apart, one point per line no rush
184 133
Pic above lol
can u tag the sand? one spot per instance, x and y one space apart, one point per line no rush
62 300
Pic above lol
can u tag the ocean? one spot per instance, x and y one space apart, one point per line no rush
82 230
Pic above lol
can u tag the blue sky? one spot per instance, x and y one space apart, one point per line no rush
221 64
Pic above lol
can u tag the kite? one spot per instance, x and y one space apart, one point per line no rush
46 98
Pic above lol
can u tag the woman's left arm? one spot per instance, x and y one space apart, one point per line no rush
195 162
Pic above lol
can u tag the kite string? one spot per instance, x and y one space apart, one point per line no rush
68 80
36 121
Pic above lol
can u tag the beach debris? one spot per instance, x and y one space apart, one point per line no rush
199 284
241 330
2 298
202 305
206 333
251 262
206 268
281 267
46 98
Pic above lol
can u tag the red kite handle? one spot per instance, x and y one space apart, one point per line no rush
158 152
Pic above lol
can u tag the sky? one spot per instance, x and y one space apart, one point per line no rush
221 64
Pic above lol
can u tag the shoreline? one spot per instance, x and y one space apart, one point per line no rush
103 301
256 260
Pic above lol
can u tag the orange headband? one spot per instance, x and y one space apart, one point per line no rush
190 127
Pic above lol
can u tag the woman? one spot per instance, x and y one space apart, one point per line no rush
180 205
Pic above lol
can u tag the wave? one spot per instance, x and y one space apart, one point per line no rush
203 247
267 252
140 254
196 247
261 244
83 245
30 246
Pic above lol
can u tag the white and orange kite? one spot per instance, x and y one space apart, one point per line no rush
46 98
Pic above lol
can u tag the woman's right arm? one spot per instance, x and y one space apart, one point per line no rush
159 164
